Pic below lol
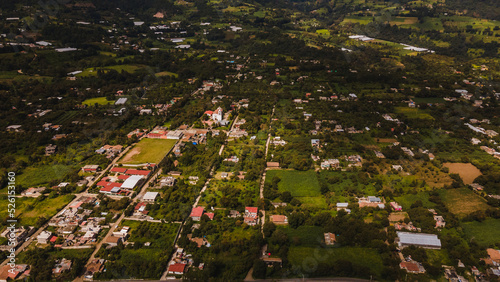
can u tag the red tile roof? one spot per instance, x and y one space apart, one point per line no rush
138 172
177 267
197 212
53 239
123 177
251 209
409 266
210 215
119 169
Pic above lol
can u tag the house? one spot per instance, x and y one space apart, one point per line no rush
343 206
196 213
330 238
150 196
279 219
90 168
396 207
233 159
50 149
14 128
234 214
44 237
251 215
271 261
273 164
168 181
140 209
412 267
423 240
493 257
61 266
113 241
440 223
330 163
176 268
96 265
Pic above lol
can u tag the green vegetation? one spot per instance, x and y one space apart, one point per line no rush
364 261
148 151
462 201
99 101
42 175
485 233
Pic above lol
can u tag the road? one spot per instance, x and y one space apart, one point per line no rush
195 204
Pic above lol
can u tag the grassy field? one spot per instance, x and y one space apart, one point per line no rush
166 73
29 209
42 175
299 183
462 201
148 151
305 235
98 100
304 258
118 68
407 200
160 235
485 233
413 113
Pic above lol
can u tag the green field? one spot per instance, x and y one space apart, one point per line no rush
305 235
485 233
413 113
160 235
298 183
166 73
29 209
42 175
148 151
407 200
462 201
98 100
305 258
118 68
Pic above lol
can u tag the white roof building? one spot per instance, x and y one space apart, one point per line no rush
150 196
132 182
428 241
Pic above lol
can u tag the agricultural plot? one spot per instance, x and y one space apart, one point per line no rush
413 113
305 235
485 233
28 210
98 100
306 257
42 175
298 183
467 171
462 201
148 151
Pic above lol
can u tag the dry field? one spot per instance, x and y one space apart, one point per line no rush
467 171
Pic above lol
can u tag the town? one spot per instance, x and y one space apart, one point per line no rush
224 141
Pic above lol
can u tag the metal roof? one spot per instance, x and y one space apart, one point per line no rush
421 239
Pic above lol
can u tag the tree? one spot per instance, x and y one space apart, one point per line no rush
286 196
259 269
268 229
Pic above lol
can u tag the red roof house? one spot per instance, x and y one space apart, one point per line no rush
196 213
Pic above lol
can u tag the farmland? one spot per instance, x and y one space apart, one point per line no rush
308 258
148 151
467 172
485 233
98 100
462 201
